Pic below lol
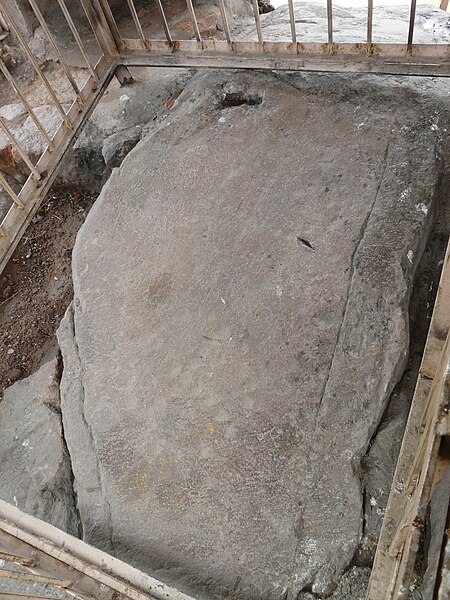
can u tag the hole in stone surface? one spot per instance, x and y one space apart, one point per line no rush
305 242
232 99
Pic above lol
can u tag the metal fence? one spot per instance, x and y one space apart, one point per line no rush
102 46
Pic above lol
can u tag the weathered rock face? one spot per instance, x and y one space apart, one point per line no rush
239 322
35 472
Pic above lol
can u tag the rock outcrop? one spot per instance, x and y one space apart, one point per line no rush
35 471
240 320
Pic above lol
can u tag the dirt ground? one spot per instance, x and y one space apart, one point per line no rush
36 286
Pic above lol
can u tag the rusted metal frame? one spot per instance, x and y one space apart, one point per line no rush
36 67
165 24
15 558
193 18
369 25
93 572
412 18
77 38
311 57
226 25
100 27
136 20
25 102
393 560
292 22
14 197
54 45
33 578
258 24
430 52
23 155
33 192
330 23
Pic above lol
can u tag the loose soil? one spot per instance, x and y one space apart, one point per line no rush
36 286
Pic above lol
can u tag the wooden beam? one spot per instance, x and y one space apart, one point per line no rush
418 461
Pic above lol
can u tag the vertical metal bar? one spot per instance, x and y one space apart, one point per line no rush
36 67
30 111
3 23
330 22
258 23
19 149
55 46
100 26
164 21
194 20
226 26
369 24
137 23
292 20
412 18
109 17
77 37
14 197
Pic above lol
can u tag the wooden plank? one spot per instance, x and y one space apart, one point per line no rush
93 573
15 558
333 63
395 549
33 578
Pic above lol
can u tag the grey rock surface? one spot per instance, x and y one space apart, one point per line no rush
240 319
379 466
118 145
35 471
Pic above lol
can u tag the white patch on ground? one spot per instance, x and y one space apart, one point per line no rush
421 207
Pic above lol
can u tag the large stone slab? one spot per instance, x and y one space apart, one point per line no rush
240 318
35 471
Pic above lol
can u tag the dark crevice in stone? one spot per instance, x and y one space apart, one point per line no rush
306 243
233 99
79 523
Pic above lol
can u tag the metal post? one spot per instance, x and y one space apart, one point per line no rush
77 37
369 25
137 23
258 23
194 20
292 21
330 23
164 21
